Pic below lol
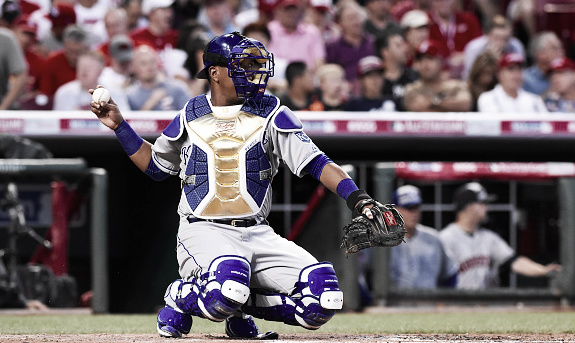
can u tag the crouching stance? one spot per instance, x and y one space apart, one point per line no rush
223 294
226 147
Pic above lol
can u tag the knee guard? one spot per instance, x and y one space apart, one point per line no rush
316 298
317 295
227 287
217 294
173 323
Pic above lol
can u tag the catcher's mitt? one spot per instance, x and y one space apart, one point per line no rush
386 229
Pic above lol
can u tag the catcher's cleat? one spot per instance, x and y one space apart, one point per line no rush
238 327
168 331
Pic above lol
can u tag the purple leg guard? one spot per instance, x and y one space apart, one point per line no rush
172 323
217 294
316 298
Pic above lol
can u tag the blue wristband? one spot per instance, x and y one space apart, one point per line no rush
128 138
345 187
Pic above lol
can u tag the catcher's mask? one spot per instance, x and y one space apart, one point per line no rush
250 65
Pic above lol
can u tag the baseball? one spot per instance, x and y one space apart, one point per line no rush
101 94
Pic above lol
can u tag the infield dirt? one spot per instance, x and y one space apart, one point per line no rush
293 338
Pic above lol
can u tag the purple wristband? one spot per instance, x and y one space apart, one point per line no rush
128 138
345 187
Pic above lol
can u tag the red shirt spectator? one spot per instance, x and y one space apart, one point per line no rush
61 65
455 33
145 37
58 72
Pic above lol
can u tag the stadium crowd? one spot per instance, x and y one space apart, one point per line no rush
371 55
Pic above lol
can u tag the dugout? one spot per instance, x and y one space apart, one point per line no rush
534 213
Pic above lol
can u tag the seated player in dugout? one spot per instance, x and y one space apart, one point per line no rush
226 147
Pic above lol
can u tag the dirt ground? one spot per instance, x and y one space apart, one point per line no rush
293 338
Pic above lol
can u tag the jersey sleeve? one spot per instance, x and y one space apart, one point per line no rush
500 250
166 149
290 143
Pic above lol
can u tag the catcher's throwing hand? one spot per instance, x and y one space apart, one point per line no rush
373 225
108 113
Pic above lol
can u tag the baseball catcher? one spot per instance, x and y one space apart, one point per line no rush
373 225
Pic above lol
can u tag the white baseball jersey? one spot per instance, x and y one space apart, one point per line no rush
478 255
227 156
421 262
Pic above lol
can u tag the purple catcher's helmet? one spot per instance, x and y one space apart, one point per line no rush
218 50
250 66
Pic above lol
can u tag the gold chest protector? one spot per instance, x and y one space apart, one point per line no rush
226 138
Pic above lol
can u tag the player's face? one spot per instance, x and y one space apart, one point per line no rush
411 217
479 212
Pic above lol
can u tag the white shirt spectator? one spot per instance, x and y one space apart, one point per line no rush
497 101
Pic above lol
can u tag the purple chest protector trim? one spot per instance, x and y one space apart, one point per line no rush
197 107
258 173
287 121
196 185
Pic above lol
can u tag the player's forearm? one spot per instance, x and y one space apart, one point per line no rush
139 150
524 266
332 175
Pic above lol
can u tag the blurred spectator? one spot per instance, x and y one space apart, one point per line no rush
561 94
497 39
543 48
259 31
90 16
453 29
116 23
13 69
192 40
159 33
151 91
74 96
61 16
61 64
432 93
299 78
10 10
422 261
292 39
218 18
25 31
370 73
379 20
507 96
391 47
118 73
415 25
353 44
523 11
333 90
133 10
482 77
321 14
400 8
480 252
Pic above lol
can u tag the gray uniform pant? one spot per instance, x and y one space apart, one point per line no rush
275 262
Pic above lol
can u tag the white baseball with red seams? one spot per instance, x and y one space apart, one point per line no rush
101 94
